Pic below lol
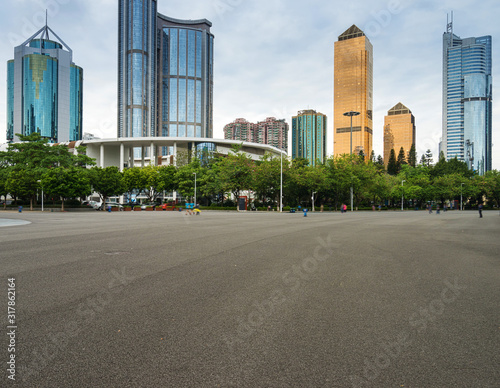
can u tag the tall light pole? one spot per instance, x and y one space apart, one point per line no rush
39 181
194 188
350 114
314 192
461 207
402 195
281 183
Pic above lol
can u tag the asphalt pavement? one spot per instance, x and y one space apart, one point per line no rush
254 299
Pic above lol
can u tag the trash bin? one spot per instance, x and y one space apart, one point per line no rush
20 209
305 212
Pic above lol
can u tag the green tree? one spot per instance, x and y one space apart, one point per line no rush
428 157
107 182
66 183
401 158
236 173
392 165
412 156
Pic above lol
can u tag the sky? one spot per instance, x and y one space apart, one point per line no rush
274 57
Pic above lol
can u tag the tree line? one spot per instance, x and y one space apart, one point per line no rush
31 166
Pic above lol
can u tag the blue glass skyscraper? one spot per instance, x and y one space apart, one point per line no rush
165 74
44 90
309 136
136 68
467 100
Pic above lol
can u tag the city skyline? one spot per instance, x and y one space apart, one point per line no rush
407 57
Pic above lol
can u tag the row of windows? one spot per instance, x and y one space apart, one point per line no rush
182 50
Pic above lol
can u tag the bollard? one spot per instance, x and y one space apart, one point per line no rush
20 209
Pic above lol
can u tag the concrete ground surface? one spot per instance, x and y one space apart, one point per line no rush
226 299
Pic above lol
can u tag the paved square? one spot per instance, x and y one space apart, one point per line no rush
161 299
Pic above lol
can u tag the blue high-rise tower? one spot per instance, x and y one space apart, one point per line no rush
467 100
44 90
165 74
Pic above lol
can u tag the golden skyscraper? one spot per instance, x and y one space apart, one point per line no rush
399 131
353 91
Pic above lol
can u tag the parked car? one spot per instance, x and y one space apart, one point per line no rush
98 206
149 204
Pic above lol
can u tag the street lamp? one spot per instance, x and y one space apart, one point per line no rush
194 188
314 192
402 195
281 182
461 186
350 114
39 181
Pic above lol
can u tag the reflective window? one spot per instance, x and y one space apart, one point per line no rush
198 102
190 101
182 51
173 51
10 100
182 100
191 53
40 98
198 54
137 25
173 99
165 101
173 130
190 131
181 130
136 122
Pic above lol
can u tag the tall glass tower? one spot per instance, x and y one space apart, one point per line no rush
467 100
309 136
165 74
44 90
185 77
353 91
137 68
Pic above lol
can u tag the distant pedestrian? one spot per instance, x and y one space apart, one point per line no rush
373 207
430 208
480 208
345 208
342 208
437 209
379 207
321 208
445 208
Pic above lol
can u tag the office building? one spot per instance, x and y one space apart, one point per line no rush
309 136
165 74
44 90
399 131
353 91
467 100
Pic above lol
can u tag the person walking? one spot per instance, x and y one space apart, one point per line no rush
437 209
480 208
342 208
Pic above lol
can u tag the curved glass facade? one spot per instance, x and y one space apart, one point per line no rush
76 103
40 97
187 82
467 100
44 91
136 68
10 100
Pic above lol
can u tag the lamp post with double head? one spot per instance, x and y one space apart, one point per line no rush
350 114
